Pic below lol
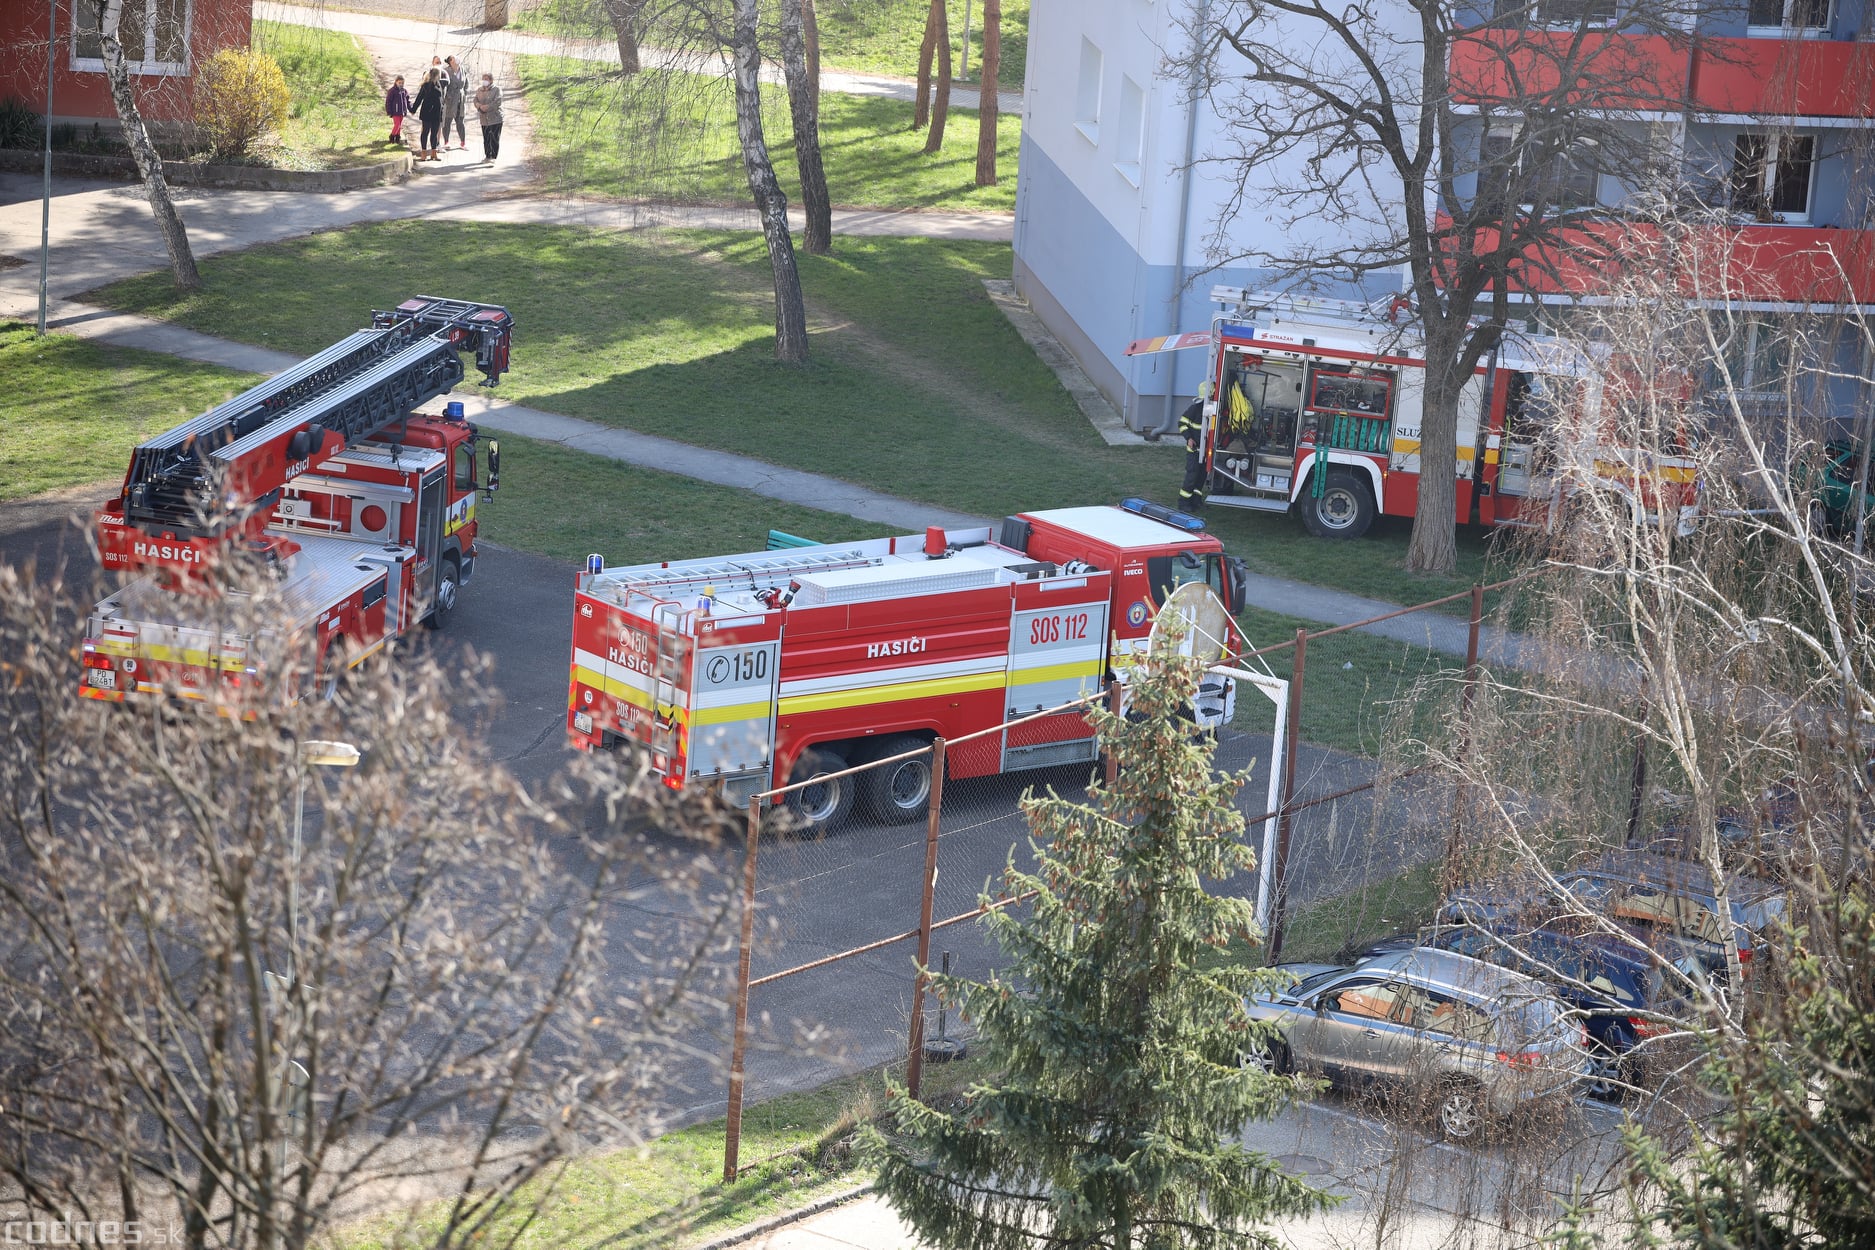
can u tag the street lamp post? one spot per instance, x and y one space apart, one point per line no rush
321 754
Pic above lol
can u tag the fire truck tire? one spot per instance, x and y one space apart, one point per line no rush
828 804
1345 508
448 587
898 793
334 666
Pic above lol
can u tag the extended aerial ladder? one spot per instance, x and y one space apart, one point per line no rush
217 478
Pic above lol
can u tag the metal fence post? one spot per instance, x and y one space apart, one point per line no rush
914 1060
1461 809
1279 891
732 1133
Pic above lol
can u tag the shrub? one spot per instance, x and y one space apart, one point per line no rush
19 125
240 97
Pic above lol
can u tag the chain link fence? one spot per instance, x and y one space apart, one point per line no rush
1349 837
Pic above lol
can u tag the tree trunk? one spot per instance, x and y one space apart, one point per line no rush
811 28
625 16
988 67
817 238
921 101
1433 547
941 101
790 310
108 14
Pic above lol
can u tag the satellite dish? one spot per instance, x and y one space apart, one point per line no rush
1207 622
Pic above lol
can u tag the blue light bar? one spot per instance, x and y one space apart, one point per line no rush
1164 515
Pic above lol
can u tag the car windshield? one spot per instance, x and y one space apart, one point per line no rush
1529 1019
1308 985
1582 968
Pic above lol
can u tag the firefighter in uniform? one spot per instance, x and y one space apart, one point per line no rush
1191 429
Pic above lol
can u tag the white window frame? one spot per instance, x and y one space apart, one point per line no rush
1774 143
1132 147
1087 97
146 65
1536 13
1784 29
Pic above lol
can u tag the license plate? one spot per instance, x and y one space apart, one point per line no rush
103 679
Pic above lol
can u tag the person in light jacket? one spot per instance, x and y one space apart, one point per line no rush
455 102
488 110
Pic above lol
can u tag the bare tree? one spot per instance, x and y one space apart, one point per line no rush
225 1026
810 22
1381 140
1702 697
105 17
770 202
804 109
921 99
987 100
626 18
941 97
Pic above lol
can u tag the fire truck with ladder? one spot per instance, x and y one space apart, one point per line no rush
747 672
1331 429
358 514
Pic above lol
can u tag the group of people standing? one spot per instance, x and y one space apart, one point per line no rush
442 99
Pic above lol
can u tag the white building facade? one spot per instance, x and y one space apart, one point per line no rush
1117 232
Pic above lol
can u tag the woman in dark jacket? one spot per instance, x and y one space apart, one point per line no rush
428 107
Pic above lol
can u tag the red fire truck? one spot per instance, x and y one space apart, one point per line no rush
1331 432
744 672
319 488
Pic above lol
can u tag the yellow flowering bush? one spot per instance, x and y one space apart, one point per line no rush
240 98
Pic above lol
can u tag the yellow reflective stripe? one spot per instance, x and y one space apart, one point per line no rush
865 695
1055 672
171 655
612 686
731 712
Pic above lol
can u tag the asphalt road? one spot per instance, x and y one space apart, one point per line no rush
822 895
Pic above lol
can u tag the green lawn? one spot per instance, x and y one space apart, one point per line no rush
337 113
86 405
918 386
632 515
866 36
671 136
795 1149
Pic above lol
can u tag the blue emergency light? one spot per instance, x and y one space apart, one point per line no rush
452 411
595 563
1164 515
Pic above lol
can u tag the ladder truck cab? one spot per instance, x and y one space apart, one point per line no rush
747 672
293 531
1316 405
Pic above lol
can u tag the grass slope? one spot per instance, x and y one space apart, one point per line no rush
672 136
78 407
864 36
632 515
336 118
918 386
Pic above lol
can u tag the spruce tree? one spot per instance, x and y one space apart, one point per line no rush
1114 1115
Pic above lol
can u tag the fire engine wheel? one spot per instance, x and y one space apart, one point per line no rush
899 793
828 802
333 668
448 586
1344 509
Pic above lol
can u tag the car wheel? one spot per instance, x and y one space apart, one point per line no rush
1271 1057
900 792
827 802
1460 1112
1607 1078
1344 509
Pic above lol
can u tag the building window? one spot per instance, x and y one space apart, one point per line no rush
1556 13
1771 175
1758 356
1132 130
1809 17
1087 93
154 33
1508 166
